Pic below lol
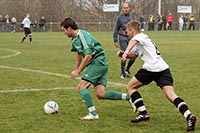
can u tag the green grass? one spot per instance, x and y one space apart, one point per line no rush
22 112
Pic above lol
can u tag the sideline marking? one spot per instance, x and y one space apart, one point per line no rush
11 55
47 73
35 71
15 53
41 89
51 73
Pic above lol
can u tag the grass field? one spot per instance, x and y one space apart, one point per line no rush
31 74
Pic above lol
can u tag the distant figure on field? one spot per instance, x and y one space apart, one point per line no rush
26 24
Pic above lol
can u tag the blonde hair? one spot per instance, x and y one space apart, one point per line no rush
134 25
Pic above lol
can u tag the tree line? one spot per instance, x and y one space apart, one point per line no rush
88 11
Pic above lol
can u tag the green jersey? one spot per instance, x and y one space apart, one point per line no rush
86 44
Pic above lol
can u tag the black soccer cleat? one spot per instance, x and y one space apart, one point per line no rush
191 123
140 118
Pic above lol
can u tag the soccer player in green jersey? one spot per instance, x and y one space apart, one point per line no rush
91 58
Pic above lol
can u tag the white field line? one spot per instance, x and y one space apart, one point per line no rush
15 53
47 73
39 89
35 71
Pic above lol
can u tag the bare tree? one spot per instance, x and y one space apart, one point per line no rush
89 11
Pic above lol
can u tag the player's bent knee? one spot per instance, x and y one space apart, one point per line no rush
100 96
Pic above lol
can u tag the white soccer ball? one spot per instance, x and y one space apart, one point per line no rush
51 107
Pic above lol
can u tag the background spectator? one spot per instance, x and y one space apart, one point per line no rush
42 24
7 22
170 20
3 23
181 22
164 22
185 19
142 23
13 24
191 22
151 23
1 19
35 26
159 20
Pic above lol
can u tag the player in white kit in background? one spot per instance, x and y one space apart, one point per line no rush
26 23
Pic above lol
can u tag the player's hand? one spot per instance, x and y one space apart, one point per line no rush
116 44
120 53
74 74
124 56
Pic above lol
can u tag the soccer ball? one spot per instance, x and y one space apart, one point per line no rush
51 107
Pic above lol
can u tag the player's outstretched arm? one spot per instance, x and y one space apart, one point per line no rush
129 55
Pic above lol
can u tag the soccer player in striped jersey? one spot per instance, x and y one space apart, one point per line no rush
154 69
26 23
91 58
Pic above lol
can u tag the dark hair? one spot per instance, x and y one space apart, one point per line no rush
68 22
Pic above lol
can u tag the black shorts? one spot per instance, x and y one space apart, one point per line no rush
163 78
27 31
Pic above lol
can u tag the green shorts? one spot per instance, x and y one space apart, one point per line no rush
96 74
